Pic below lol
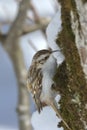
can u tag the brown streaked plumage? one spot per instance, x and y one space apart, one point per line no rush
40 80
35 76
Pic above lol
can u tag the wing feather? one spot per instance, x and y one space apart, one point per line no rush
34 85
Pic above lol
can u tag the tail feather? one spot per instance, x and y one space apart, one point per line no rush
54 106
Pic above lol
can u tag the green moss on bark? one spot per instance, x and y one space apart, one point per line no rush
73 85
61 74
84 1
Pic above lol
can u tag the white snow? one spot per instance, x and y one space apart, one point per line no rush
52 31
46 120
57 98
81 35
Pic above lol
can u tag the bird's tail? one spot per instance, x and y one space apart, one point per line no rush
55 107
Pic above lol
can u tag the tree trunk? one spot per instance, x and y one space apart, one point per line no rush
72 73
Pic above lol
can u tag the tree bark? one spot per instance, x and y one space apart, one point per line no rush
71 75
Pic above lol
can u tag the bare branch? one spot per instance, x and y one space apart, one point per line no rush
28 29
13 48
17 26
40 26
36 16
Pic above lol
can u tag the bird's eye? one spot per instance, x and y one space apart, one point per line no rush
43 60
46 58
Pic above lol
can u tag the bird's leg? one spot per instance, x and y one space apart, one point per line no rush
55 107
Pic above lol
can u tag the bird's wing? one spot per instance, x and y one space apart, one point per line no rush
34 85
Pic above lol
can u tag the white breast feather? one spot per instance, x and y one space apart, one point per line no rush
48 71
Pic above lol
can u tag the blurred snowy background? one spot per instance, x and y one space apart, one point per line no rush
8 83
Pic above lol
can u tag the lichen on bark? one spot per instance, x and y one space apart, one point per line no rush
73 87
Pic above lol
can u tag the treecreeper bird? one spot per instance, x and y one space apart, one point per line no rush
40 80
